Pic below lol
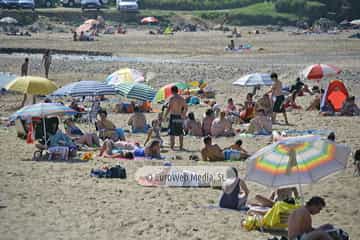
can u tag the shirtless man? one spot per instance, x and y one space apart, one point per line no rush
211 152
276 91
222 127
300 223
177 109
137 121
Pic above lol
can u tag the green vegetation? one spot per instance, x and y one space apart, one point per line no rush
260 13
195 4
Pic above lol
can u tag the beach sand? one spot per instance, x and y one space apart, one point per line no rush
59 200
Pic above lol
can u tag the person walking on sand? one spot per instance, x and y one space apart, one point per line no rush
177 109
24 72
46 61
276 92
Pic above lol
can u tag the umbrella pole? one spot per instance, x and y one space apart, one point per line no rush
44 126
301 195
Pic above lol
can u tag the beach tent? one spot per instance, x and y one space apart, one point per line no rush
335 94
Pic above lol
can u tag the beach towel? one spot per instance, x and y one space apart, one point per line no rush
320 132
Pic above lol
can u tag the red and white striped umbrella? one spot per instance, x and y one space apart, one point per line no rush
319 71
149 20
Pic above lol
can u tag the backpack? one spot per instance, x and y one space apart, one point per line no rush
116 172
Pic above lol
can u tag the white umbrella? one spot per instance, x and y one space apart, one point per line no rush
8 20
355 22
254 79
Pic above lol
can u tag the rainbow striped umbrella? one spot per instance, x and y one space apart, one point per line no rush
165 92
296 160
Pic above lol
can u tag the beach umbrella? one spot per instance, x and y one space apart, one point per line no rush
254 79
136 91
296 160
31 85
42 110
355 22
125 75
165 92
5 78
8 20
320 71
85 88
149 20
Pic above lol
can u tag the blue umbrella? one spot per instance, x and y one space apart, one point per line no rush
42 110
137 91
85 88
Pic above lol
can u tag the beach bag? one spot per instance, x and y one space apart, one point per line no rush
276 217
117 172
251 223
338 234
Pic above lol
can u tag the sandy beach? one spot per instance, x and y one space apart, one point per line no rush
59 200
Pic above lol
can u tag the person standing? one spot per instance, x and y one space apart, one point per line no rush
46 61
276 92
177 109
24 72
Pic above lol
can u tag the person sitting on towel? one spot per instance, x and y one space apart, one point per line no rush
192 127
137 121
260 124
235 192
222 127
279 194
350 108
107 128
300 222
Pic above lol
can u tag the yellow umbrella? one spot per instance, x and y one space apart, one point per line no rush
125 75
32 85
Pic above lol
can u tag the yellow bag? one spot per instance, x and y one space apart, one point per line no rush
251 223
277 216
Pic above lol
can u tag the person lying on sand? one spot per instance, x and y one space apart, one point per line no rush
212 152
279 194
74 132
300 222
222 127
120 149
238 147
235 191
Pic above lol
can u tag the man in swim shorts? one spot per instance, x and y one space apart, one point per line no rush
177 109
